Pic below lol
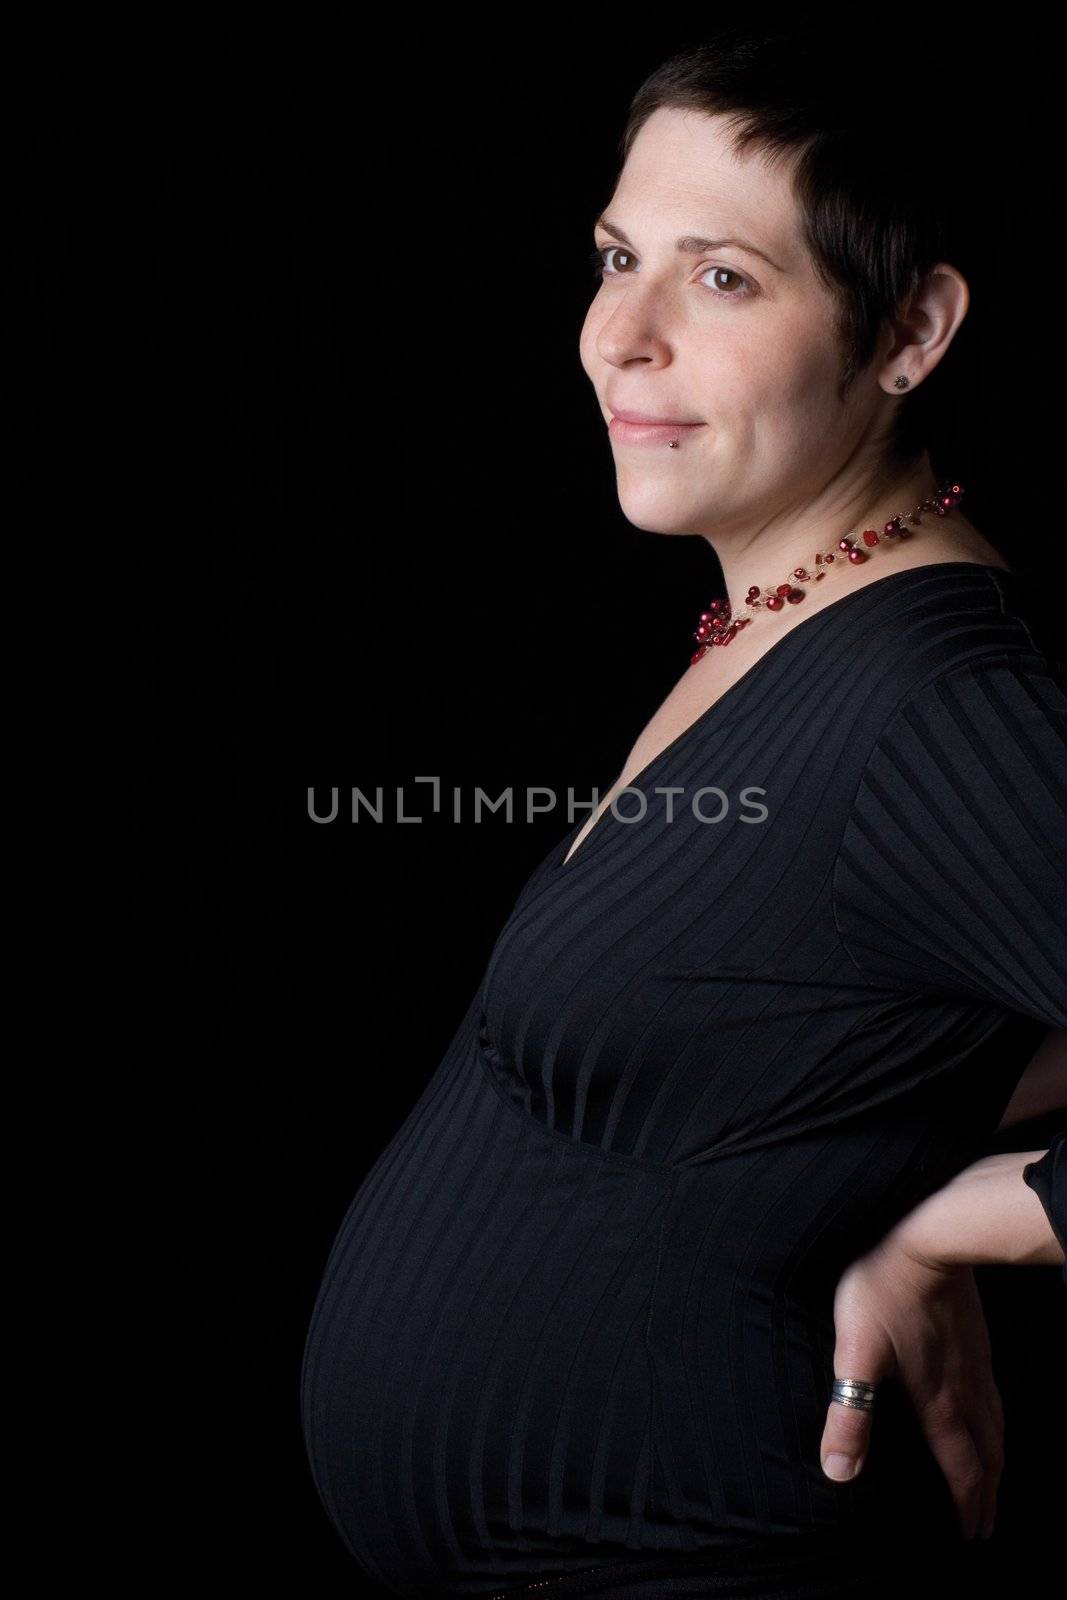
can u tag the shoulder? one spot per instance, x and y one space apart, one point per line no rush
951 641
973 739
951 870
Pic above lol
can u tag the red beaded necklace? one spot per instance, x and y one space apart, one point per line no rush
718 624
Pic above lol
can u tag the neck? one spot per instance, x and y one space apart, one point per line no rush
766 554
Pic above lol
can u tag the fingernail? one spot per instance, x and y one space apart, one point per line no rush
839 1466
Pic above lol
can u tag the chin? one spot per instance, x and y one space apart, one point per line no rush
658 508
650 522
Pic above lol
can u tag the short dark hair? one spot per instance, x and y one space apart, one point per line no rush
874 190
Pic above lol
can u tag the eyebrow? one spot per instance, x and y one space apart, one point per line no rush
689 243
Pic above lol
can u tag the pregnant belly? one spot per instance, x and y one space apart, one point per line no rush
528 1356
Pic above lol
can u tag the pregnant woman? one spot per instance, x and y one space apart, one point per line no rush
700 1179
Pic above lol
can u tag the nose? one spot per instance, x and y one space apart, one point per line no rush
633 330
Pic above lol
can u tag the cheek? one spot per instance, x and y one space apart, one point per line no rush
784 374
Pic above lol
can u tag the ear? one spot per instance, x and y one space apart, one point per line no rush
923 328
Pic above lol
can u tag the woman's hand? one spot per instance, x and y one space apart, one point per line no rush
899 1314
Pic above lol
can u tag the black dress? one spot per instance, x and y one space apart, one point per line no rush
1048 1179
578 1318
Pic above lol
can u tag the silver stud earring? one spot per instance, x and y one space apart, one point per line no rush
672 444
902 382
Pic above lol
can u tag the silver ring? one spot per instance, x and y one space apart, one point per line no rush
855 1392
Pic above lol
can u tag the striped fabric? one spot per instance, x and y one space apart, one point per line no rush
580 1309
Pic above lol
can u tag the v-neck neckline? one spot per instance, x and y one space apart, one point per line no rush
564 865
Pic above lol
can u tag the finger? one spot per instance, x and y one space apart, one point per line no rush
845 1438
956 1452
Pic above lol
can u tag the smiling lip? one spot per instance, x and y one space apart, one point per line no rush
647 417
632 427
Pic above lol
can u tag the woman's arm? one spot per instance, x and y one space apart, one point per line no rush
1043 1086
985 1215
910 1308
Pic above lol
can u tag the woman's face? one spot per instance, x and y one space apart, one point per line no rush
737 336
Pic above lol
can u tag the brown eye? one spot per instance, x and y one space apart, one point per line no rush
623 258
600 264
728 284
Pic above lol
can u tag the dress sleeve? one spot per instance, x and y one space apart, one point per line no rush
1048 1179
952 868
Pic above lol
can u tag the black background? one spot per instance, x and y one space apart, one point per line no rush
378 485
